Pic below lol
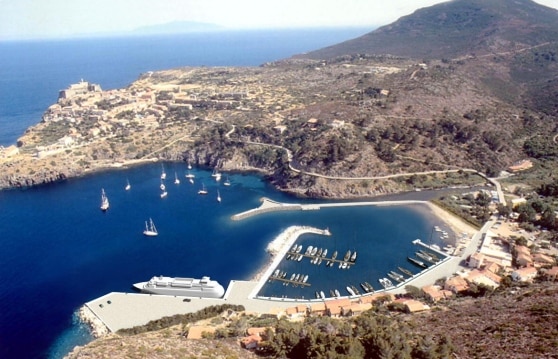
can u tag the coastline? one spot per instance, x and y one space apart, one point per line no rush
456 224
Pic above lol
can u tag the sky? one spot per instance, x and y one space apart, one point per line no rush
27 19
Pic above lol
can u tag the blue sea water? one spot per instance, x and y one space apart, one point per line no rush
58 250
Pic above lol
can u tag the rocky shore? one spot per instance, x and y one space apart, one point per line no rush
98 328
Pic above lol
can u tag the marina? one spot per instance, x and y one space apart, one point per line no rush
120 310
287 252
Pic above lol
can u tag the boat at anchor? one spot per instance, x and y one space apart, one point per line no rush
150 230
104 201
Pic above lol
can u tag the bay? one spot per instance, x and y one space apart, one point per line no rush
58 250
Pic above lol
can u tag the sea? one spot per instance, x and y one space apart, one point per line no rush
59 251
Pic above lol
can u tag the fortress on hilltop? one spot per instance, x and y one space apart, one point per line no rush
80 88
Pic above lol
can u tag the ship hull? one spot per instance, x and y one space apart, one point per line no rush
184 287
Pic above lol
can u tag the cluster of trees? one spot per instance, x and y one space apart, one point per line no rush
369 335
541 147
537 212
165 322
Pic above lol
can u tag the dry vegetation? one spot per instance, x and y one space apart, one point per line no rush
517 322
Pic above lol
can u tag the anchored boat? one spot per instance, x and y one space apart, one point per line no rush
150 229
188 287
104 201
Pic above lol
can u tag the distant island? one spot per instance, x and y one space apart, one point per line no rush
176 27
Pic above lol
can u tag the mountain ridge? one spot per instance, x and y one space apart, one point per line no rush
455 28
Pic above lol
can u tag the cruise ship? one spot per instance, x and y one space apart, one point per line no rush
188 287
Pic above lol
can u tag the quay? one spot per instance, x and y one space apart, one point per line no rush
269 205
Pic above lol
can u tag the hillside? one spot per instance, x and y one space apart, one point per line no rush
454 29
490 30
519 323
335 128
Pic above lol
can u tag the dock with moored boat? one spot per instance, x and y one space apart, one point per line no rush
318 256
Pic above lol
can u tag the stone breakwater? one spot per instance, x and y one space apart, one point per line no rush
98 328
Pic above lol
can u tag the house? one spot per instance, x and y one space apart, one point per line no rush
476 260
523 250
541 259
484 277
414 306
338 307
456 284
492 267
524 274
251 341
435 293
358 308
318 309
524 260
551 274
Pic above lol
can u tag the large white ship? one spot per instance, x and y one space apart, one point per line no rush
188 287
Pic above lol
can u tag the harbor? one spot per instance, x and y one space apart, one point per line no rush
117 310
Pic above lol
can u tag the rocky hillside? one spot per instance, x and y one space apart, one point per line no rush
337 127
454 29
516 39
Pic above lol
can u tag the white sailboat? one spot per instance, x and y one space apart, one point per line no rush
162 186
176 180
150 229
202 190
128 186
190 175
104 200
227 182
189 165
218 196
216 174
164 194
163 173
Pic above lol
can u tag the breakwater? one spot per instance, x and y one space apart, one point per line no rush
269 205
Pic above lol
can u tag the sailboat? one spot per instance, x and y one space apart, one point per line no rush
202 190
104 201
216 174
189 165
218 196
227 182
150 229
127 188
164 194
163 174
162 186
176 180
